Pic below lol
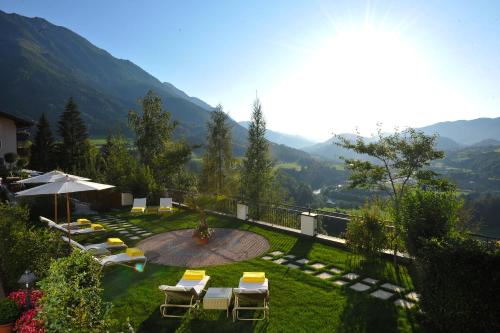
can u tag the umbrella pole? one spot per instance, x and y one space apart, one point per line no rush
55 207
68 215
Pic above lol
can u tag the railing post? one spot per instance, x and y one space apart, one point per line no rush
309 224
241 211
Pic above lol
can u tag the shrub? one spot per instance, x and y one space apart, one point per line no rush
19 297
9 311
459 282
72 300
427 214
366 234
28 322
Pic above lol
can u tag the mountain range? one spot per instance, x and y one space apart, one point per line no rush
291 140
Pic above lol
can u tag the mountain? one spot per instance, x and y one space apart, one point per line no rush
467 132
295 141
487 143
330 151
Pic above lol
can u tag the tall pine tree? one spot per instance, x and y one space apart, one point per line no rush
257 175
42 149
218 157
74 146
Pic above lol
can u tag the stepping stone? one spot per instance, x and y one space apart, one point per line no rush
290 256
324 276
335 270
148 234
340 283
124 232
280 261
370 281
351 276
392 287
134 237
382 294
267 258
404 303
302 261
276 253
308 271
360 287
318 265
292 266
413 296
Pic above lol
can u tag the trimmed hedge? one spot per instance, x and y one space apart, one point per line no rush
460 285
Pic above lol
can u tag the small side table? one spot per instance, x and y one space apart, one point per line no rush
218 299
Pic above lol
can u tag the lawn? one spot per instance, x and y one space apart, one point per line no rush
298 302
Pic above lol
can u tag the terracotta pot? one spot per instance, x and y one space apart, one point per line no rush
201 241
7 328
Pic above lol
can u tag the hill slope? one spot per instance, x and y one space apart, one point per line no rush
295 141
467 132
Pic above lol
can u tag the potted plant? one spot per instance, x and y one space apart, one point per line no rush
201 202
9 312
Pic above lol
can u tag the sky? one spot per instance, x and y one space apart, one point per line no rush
318 67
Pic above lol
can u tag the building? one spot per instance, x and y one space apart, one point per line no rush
14 131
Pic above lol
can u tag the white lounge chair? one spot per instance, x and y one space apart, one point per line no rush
251 296
165 205
139 205
120 258
98 246
63 227
185 294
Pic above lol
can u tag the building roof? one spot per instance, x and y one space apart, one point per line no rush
20 122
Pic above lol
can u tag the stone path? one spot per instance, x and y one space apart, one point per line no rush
367 285
127 231
177 248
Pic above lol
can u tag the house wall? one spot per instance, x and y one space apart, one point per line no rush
8 136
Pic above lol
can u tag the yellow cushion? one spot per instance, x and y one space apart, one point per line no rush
254 276
96 226
193 275
137 209
115 241
83 221
134 252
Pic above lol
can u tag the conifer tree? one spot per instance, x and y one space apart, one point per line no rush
42 149
218 157
257 175
74 145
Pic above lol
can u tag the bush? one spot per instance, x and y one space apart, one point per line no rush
366 234
44 206
9 311
459 281
72 300
427 214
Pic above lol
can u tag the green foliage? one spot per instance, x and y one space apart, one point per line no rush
23 246
427 214
73 131
153 128
257 172
218 158
170 168
42 149
367 234
72 300
43 205
9 312
459 283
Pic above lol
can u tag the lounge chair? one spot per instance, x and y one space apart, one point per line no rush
165 205
111 243
132 254
251 295
187 294
139 205
63 227
79 224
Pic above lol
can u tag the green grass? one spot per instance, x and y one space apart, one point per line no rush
291 166
298 302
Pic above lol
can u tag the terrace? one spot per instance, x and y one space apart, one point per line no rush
332 289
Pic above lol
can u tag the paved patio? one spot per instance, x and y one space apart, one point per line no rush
177 248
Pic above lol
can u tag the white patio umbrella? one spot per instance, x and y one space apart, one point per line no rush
65 185
51 177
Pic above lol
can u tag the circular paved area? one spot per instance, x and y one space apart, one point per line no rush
177 248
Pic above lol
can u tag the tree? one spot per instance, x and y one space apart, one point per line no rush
74 146
153 128
218 156
42 150
400 160
257 173
72 300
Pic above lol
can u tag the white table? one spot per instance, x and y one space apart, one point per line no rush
218 299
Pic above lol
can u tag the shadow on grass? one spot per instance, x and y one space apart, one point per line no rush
301 247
